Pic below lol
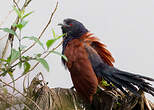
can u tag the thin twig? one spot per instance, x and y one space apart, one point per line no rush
36 63
10 36
8 102
39 62
16 4
3 37
6 17
50 19
46 55
20 93
5 48
19 100
35 43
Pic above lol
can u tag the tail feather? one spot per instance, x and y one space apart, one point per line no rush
116 84
125 84
128 80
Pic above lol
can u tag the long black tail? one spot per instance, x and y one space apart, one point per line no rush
120 79
132 82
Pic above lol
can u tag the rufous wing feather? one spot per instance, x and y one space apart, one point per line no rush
100 48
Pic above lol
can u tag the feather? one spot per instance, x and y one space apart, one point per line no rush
119 78
82 74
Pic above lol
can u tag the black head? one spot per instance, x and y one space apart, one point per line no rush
73 28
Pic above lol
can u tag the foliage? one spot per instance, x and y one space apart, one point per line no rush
17 57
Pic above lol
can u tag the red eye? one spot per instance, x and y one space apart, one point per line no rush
70 24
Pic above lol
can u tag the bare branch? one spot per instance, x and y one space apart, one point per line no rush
16 4
43 29
3 37
20 93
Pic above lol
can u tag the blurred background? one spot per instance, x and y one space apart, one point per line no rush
125 26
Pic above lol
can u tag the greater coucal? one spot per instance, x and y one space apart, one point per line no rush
89 61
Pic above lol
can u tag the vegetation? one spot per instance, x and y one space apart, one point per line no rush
37 95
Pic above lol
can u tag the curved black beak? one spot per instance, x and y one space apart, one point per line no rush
60 24
63 24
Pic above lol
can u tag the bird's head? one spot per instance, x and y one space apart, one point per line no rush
73 28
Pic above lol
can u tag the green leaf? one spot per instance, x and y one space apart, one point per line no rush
17 11
38 55
22 13
24 23
9 59
26 67
21 24
14 55
49 43
63 56
104 83
27 15
4 73
11 76
35 39
44 63
3 60
9 31
20 64
60 36
53 32
22 47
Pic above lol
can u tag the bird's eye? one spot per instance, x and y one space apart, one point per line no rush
70 24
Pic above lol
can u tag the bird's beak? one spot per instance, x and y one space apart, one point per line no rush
60 24
63 25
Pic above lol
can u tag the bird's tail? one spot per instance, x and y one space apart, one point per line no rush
132 82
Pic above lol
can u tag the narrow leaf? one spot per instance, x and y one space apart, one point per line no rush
60 36
24 23
3 74
14 55
26 67
22 47
38 55
17 11
35 39
44 63
3 60
20 65
49 43
9 31
21 24
58 53
22 13
27 15
11 76
53 32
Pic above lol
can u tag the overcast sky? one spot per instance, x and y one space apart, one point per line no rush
125 26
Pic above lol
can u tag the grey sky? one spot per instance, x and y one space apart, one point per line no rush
125 26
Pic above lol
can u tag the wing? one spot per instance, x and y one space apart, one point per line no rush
120 79
101 50
82 74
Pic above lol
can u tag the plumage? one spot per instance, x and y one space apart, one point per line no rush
89 61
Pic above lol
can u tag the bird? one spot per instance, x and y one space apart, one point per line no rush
89 61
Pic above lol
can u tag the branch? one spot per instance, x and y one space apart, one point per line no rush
68 99
29 99
43 29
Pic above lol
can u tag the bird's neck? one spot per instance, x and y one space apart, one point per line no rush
86 35
69 38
